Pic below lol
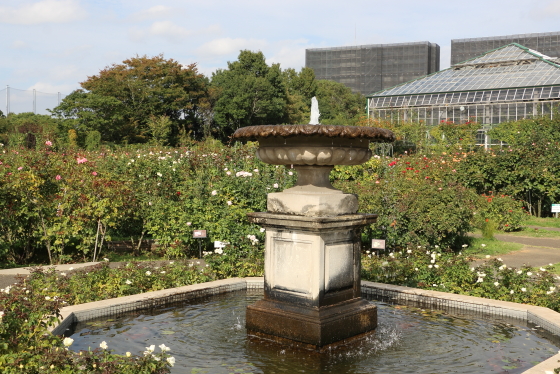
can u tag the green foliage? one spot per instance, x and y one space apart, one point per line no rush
63 206
160 128
301 87
119 101
338 104
527 169
251 93
447 272
499 212
102 282
29 130
416 205
30 307
488 228
244 261
72 139
93 140
454 135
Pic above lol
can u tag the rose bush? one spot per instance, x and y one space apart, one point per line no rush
31 306
65 206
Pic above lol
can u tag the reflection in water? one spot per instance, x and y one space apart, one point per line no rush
209 337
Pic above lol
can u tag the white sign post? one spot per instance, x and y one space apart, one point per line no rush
555 209
377 245
199 234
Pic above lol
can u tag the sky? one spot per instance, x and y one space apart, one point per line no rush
53 45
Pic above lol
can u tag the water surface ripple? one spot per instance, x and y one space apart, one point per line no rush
208 336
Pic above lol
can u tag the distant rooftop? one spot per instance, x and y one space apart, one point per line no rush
365 46
507 37
510 66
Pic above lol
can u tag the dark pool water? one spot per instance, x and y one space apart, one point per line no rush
208 336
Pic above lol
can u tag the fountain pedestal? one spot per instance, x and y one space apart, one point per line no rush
312 251
312 280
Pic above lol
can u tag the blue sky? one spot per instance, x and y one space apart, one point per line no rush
52 45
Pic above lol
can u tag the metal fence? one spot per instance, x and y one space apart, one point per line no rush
13 100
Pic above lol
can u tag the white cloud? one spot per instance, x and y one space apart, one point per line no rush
155 12
169 30
19 44
164 29
49 88
290 53
46 11
225 46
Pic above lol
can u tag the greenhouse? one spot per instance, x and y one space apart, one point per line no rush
508 83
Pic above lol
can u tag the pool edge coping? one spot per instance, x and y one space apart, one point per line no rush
548 319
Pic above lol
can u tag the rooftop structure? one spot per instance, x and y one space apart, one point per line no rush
547 43
508 83
370 68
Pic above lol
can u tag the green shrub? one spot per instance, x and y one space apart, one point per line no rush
29 308
431 268
499 212
415 208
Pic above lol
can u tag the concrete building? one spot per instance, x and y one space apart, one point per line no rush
371 68
547 43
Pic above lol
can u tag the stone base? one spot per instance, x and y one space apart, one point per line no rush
311 328
331 203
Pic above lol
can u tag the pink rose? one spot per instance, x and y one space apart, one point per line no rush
81 160
48 143
58 177
94 173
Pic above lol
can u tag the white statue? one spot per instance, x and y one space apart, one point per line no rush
314 112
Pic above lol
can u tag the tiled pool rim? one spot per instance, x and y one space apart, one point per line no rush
547 319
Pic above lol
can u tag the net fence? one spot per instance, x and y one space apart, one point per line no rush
13 100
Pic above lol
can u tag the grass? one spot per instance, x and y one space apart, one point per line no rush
556 269
543 222
480 247
533 233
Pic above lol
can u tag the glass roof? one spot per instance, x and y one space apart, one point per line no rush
506 67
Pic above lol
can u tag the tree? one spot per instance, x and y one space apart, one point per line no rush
250 93
338 104
86 111
300 87
528 168
120 100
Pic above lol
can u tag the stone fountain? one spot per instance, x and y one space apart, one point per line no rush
312 250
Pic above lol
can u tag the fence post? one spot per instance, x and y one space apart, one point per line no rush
7 100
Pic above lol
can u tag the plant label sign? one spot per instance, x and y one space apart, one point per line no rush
378 244
199 234
218 244
555 208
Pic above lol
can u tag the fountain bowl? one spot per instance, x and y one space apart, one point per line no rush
325 145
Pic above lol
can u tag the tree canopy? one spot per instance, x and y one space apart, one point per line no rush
120 101
159 101
250 93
